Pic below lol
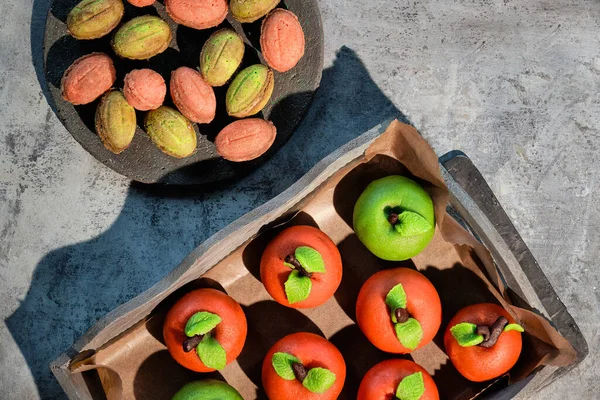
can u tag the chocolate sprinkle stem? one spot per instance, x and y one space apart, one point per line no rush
300 371
291 259
483 331
494 332
190 343
393 218
401 315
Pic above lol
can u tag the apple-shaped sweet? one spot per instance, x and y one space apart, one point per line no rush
208 389
303 366
483 341
397 379
205 330
398 310
301 267
394 218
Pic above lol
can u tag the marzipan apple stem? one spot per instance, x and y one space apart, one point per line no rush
291 259
484 331
393 218
401 315
190 343
494 332
300 371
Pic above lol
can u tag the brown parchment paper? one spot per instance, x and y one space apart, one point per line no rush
459 266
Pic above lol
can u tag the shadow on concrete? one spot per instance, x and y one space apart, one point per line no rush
74 286
38 26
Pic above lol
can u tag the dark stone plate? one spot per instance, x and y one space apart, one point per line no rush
143 161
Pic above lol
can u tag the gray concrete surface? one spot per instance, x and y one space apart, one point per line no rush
514 84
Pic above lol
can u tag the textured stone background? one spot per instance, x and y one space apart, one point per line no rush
514 84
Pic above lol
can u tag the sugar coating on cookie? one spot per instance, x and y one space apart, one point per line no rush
197 14
192 95
144 89
88 78
282 40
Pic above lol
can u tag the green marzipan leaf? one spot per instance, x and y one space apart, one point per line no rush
513 327
290 266
396 298
409 333
465 335
310 259
411 224
211 353
411 387
297 287
201 323
282 363
319 380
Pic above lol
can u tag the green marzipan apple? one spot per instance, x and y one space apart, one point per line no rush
394 218
208 389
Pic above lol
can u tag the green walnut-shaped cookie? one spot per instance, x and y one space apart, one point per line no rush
221 56
173 133
142 37
115 121
92 19
251 10
250 91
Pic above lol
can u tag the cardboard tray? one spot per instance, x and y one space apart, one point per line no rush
122 355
